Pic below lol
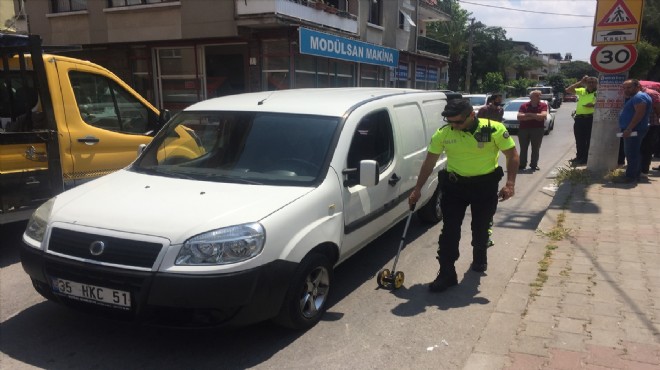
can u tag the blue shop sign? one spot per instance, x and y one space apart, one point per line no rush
331 46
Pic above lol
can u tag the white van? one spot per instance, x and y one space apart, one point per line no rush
247 224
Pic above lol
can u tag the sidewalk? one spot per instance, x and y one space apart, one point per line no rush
600 305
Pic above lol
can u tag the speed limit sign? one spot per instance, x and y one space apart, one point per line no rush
613 58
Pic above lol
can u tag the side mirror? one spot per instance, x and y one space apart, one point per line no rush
141 148
164 116
368 172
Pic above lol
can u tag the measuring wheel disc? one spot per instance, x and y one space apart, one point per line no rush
399 277
383 278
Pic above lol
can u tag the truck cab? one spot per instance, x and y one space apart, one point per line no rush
63 122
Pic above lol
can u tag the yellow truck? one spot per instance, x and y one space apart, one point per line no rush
63 121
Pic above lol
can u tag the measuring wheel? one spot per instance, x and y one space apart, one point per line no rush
384 278
399 277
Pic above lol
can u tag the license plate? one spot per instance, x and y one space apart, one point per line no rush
92 294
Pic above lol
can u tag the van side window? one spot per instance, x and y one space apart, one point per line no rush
372 140
105 104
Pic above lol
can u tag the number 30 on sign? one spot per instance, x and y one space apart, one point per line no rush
613 58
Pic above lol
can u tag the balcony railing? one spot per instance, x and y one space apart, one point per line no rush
432 46
442 6
296 9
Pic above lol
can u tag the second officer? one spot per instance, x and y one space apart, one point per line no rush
472 179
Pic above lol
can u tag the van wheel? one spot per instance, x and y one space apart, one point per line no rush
431 213
307 297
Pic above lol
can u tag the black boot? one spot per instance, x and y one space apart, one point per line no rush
479 260
446 278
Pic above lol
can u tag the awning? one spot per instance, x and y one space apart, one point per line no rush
408 18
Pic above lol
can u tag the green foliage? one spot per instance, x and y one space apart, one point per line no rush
647 58
519 87
557 83
493 82
577 70
651 33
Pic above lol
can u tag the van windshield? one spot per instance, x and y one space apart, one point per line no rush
241 147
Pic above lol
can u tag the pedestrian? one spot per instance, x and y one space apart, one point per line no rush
531 119
493 108
653 134
584 116
472 177
633 123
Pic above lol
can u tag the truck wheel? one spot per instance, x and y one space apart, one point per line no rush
431 213
307 297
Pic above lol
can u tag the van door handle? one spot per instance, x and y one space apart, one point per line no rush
393 180
89 140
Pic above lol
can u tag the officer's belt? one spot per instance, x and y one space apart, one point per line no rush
458 179
583 115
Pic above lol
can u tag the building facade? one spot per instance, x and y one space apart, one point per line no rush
176 53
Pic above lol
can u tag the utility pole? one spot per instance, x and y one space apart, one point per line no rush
469 59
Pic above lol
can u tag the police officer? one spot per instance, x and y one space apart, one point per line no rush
584 116
472 178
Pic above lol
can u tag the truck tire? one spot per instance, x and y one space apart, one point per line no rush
307 298
431 213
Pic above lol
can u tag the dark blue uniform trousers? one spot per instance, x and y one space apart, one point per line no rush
482 197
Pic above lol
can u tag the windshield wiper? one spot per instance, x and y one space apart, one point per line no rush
159 171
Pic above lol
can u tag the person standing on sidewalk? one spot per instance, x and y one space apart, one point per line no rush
531 117
472 178
653 135
634 123
584 116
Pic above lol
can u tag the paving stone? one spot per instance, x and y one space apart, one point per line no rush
570 325
485 361
569 341
524 361
577 311
565 360
531 345
608 338
576 299
538 329
642 352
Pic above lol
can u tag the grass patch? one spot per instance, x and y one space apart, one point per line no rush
558 232
572 175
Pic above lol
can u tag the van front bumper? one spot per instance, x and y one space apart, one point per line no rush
165 298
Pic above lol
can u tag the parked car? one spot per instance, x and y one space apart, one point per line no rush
285 186
570 98
511 115
477 100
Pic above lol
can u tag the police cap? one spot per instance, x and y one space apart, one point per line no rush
455 107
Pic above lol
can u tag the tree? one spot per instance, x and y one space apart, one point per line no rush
493 82
455 34
524 63
651 33
577 70
557 83
519 87
647 55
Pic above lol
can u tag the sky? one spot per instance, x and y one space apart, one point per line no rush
556 38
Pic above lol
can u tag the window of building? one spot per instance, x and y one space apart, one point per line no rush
376 12
118 3
276 65
106 105
178 77
62 6
141 72
321 72
224 67
372 76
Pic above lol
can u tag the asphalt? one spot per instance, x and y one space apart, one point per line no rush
586 293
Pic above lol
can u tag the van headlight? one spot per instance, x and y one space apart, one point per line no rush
36 227
223 246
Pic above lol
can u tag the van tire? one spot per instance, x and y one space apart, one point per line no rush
431 213
307 297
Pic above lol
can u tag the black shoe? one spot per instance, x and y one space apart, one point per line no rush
534 168
656 168
443 282
521 168
623 180
490 243
478 267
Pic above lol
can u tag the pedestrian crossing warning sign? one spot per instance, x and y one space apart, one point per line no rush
617 22
619 15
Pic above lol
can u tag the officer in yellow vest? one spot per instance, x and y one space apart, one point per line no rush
584 116
472 179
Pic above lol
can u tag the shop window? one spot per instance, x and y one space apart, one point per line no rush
276 65
63 6
141 72
305 71
225 69
178 78
372 76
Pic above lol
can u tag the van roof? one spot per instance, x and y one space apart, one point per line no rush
321 101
